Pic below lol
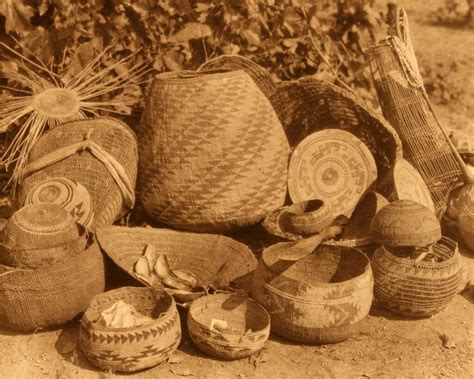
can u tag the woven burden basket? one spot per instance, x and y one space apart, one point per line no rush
417 289
228 326
319 299
260 75
213 154
100 154
134 348
52 295
308 105
211 258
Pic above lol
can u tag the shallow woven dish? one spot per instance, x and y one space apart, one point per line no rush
405 223
405 182
40 235
321 298
111 187
70 195
51 295
135 348
417 289
213 154
334 166
207 256
260 76
316 217
248 325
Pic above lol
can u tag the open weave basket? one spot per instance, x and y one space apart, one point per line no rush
246 325
100 154
417 289
51 295
134 348
213 154
321 298
308 105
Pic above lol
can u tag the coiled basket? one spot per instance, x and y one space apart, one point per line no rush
213 154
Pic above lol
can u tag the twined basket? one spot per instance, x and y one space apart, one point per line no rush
101 154
228 326
321 298
50 295
417 289
133 348
213 154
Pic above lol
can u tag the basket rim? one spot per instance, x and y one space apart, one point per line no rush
185 77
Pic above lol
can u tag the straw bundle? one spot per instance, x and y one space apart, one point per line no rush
134 348
417 288
51 295
321 298
100 154
228 326
213 154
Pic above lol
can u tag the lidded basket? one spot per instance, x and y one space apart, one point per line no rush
213 154
405 223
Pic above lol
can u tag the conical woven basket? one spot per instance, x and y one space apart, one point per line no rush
213 155
100 154
321 298
134 348
417 289
228 326
51 295
213 259
308 105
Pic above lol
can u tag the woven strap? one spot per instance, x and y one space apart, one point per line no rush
115 168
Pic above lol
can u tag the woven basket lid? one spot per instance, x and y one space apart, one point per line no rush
69 194
210 257
332 165
405 223
405 182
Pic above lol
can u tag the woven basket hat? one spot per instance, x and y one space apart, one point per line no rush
39 235
213 259
100 154
405 223
213 154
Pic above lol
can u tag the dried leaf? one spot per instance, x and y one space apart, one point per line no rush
192 30
185 372
17 15
447 342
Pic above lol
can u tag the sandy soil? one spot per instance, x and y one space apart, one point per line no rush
387 346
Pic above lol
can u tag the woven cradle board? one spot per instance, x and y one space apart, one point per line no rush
309 105
31 299
113 136
260 75
203 254
223 161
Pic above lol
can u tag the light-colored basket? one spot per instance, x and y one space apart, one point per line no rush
100 154
133 348
246 325
213 155
417 289
321 298
51 295
405 223
316 217
40 235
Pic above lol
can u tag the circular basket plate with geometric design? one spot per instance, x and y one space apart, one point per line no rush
332 165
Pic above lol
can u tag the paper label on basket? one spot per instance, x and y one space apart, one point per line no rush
122 315
219 325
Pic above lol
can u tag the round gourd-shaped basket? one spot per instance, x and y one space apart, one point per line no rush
228 326
417 288
334 166
276 225
319 299
405 223
133 348
40 235
316 216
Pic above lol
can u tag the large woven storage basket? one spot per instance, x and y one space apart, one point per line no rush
133 348
101 154
322 298
52 295
417 289
213 154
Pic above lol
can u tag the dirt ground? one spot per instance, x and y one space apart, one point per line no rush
387 346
